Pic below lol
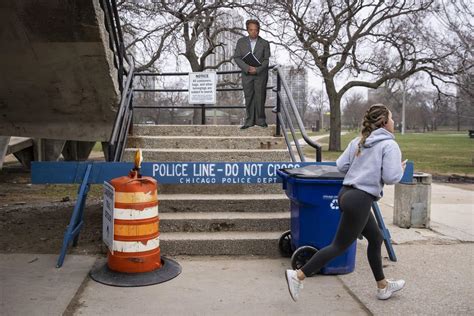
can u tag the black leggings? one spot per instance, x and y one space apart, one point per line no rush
356 218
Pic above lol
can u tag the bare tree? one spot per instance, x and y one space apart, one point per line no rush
148 33
464 103
372 41
193 29
391 94
318 101
354 110
457 16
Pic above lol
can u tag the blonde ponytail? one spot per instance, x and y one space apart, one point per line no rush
375 117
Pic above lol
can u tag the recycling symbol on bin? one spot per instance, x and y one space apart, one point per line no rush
334 204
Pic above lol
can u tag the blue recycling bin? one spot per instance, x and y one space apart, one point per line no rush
315 215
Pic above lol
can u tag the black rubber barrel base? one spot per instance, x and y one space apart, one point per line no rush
102 274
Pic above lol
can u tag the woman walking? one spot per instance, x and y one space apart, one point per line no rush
369 162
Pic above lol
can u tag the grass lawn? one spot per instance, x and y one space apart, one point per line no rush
439 153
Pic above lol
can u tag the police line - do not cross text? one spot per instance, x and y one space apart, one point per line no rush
220 172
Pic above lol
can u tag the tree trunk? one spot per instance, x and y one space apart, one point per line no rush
458 121
335 116
335 124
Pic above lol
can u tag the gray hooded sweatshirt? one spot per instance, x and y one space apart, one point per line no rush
378 163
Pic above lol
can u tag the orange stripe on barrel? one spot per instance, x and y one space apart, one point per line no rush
136 241
134 262
140 232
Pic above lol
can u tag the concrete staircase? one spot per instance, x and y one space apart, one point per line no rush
216 219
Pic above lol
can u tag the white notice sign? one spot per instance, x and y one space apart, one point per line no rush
202 88
108 216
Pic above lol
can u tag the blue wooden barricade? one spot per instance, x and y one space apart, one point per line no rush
87 173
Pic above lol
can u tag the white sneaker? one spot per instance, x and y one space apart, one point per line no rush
392 287
294 284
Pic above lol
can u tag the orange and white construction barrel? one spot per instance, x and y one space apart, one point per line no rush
136 245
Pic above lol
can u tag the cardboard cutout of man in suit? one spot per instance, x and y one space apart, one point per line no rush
254 79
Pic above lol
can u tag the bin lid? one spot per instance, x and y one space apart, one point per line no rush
315 172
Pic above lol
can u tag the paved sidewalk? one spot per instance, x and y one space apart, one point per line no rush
452 210
436 264
439 280
207 286
31 285
222 286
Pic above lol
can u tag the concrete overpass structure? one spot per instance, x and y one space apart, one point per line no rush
59 81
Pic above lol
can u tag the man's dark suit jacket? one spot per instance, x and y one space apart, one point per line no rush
261 51
254 85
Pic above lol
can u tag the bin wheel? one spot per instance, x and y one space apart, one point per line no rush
284 244
301 256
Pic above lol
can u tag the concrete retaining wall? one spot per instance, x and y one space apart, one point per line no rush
58 78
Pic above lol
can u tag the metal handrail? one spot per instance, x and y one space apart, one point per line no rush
201 107
158 74
123 120
193 107
187 90
286 119
125 72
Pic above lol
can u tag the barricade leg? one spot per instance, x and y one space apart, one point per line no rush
76 222
386 234
81 212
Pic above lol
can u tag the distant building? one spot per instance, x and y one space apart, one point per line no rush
297 80
223 57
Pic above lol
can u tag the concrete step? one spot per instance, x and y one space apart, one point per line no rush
171 203
220 188
224 221
223 155
211 219
207 142
200 130
220 243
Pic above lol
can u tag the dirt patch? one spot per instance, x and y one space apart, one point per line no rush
463 186
34 218
41 228
16 188
456 181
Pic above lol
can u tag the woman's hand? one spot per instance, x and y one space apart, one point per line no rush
404 164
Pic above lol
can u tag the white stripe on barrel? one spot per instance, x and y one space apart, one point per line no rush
136 246
132 214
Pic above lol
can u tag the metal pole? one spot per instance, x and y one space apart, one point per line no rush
215 115
203 114
322 105
322 118
403 107
298 119
278 105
